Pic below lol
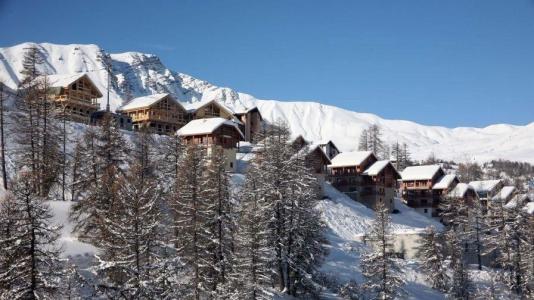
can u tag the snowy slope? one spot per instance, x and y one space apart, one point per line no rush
137 74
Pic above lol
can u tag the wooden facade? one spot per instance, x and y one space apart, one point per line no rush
251 123
211 109
75 95
330 149
214 134
363 186
421 195
163 115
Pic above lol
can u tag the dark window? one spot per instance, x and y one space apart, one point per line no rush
426 210
231 164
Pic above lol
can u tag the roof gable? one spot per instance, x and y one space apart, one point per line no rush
348 159
485 185
206 126
377 167
148 101
420 172
445 182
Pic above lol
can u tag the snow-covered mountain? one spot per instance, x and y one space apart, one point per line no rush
137 74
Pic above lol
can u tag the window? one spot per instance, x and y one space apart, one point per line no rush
231 165
426 211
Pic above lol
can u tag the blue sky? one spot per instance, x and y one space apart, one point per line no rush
451 63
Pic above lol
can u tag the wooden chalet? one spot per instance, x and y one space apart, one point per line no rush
316 160
251 120
329 148
464 193
424 187
209 109
364 178
76 95
159 113
487 189
299 142
214 133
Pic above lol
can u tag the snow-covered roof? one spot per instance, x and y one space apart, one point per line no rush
484 185
420 172
311 148
144 101
376 168
504 193
194 106
206 126
444 182
61 80
521 198
346 159
460 190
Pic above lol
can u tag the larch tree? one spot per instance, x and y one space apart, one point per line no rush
105 160
460 286
251 276
432 259
191 221
222 215
132 246
2 137
382 274
30 267
363 143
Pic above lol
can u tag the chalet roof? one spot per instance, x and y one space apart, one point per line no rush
420 172
377 167
460 190
484 185
64 80
146 101
314 147
326 142
444 182
194 106
206 126
520 198
504 193
346 159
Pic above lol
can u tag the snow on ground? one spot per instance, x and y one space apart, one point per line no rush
70 244
350 219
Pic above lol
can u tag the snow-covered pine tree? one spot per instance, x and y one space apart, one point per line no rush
2 137
432 259
222 222
192 221
37 134
30 267
519 234
105 162
396 154
132 246
382 274
254 253
170 152
460 285
305 241
476 231
274 168
406 157
363 144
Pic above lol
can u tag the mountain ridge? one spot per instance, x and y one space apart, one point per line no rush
137 74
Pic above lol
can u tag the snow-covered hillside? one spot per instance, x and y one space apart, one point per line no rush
137 74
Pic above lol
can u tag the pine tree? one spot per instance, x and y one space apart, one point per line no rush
460 285
431 255
363 144
132 246
99 173
406 157
376 145
2 138
191 220
251 276
223 225
382 274
29 261
305 232
37 135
